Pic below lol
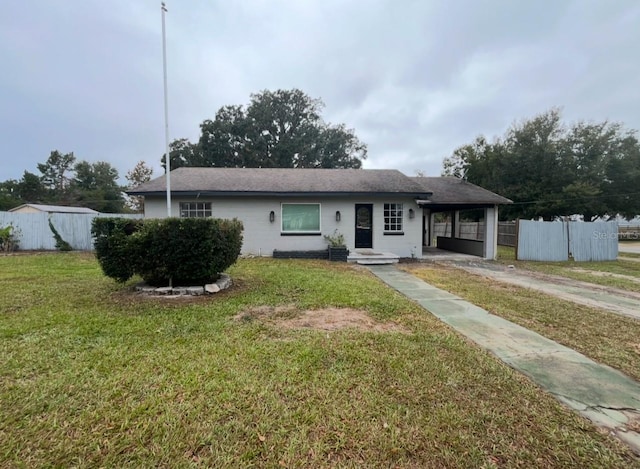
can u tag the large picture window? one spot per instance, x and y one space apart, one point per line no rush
301 218
195 209
393 218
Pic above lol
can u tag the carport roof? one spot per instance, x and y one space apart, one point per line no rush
454 192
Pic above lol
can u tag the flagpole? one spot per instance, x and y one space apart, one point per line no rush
167 158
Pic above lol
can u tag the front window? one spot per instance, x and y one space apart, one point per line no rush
393 218
300 218
195 209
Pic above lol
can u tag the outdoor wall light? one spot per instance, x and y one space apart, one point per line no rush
412 214
272 216
338 216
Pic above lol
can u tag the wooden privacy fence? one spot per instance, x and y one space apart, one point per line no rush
34 233
557 240
468 230
475 230
630 232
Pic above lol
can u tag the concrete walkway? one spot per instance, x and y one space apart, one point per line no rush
605 396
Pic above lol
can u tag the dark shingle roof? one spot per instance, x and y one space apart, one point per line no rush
283 181
454 191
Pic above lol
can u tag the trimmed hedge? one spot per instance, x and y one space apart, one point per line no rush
114 250
177 251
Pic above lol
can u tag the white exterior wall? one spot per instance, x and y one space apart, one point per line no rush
261 237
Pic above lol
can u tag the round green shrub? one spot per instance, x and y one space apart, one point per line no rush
177 251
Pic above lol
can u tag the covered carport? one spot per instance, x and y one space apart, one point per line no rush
452 195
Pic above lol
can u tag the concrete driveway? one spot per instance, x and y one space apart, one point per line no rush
612 299
631 247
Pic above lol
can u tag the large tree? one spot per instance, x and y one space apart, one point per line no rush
622 184
281 129
55 169
549 169
63 181
9 195
30 189
140 174
96 186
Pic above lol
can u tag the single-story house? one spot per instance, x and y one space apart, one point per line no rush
39 208
377 210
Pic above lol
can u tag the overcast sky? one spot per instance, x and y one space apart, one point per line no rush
415 79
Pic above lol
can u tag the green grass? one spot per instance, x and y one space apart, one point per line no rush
601 335
92 375
598 273
635 255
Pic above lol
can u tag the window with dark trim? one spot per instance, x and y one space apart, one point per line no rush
195 209
393 218
300 218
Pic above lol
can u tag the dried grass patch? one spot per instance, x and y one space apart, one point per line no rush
324 319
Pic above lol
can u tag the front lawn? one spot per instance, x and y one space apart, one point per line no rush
92 375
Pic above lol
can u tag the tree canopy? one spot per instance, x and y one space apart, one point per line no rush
550 169
279 129
63 181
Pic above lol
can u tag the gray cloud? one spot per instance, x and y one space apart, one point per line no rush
415 79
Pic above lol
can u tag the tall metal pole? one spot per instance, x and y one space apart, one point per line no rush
166 112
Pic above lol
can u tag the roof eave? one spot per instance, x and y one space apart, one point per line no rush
431 203
278 194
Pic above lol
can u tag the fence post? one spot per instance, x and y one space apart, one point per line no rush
569 253
517 236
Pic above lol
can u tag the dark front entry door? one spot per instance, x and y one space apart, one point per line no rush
364 226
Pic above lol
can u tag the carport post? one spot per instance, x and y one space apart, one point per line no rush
455 232
491 232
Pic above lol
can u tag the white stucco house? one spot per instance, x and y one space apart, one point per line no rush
377 210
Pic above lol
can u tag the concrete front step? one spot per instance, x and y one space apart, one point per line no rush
376 261
369 257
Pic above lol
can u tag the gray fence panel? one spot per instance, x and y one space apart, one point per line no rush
31 229
593 241
542 241
34 232
75 229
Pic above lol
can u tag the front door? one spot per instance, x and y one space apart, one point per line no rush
364 226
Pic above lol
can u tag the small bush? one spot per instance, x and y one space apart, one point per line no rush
336 239
9 238
181 251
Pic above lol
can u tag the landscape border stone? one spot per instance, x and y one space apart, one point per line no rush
222 283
